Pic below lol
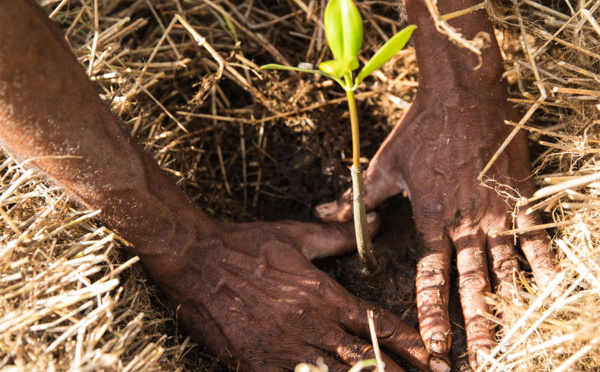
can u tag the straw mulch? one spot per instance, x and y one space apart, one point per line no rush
246 145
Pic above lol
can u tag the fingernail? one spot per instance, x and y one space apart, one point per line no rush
326 209
438 365
371 217
437 344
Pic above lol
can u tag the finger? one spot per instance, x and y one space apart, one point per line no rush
394 334
382 181
323 240
503 262
352 350
433 288
474 284
336 211
536 246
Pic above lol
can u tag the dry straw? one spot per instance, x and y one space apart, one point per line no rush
180 76
556 71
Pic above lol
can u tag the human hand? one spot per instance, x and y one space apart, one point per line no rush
251 292
436 153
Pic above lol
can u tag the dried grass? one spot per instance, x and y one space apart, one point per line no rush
556 72
73 298
69 298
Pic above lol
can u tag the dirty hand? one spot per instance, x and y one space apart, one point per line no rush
435 153
251 292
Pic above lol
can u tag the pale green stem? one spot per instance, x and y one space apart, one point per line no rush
355 131
361 227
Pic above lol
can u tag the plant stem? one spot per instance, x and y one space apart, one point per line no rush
361 227
355 130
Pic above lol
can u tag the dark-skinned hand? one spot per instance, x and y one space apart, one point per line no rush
252 293
435 153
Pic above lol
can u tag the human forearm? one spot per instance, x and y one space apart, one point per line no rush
51 116
446 67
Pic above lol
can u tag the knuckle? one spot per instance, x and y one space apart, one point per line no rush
430 277
506 289
470 205
479 329
468 212
366 352
321 284
498 217
473 282
505 266
429 209
297 313
350 354
536 245
386 324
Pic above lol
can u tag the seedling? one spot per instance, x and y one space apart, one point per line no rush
344 33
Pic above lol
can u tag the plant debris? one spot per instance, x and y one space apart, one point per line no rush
181 77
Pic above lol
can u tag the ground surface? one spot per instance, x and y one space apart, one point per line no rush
272 147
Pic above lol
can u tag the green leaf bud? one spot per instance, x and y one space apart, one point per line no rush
385 53
344 33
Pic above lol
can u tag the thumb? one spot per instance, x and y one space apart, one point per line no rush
324 240
382 181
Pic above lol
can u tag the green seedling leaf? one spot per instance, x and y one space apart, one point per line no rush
344 33
338 67
274 66
332 67
387 51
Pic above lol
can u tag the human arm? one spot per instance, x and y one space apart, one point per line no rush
436 153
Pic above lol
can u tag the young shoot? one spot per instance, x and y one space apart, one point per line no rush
344 33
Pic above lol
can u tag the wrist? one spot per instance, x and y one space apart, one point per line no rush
152 213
